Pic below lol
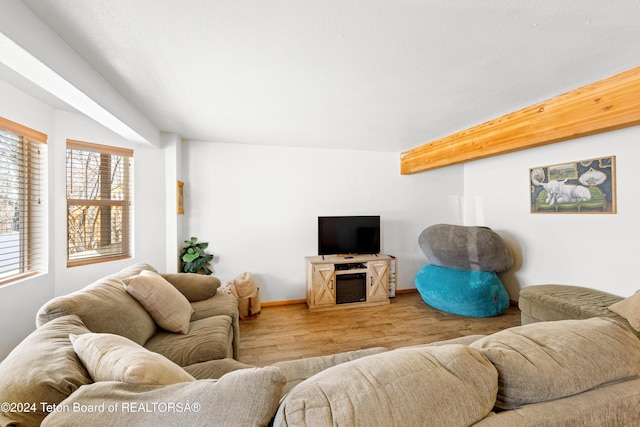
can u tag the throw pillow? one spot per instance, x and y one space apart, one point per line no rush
246 397
41 372
540 362
110 357
169 308
629 308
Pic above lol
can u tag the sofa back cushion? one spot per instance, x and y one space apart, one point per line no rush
41 372
105 306
298 370
545 361
196 287
442 385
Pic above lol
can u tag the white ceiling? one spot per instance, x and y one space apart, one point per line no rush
385 75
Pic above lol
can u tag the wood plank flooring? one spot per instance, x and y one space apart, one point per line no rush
292 331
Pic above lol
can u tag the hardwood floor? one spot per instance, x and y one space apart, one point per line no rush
292 331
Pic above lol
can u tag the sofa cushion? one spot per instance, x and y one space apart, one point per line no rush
208 339
169 308
440 385
564 302
545 361
104 306
296 371
615 405
213 369
196 287
219 304
246 397
629 308
110 357
42 370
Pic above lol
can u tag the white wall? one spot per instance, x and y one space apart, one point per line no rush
20 301
258 207
148 205
172 146
596 250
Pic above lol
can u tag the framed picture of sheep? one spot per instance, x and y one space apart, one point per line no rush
584 187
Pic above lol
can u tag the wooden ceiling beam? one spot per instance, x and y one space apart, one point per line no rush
608 104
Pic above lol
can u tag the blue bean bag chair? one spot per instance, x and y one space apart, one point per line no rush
462 292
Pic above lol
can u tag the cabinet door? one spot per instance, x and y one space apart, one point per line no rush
324 288
378 281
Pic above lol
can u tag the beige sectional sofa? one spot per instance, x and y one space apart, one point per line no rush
45 368
567 372
543 303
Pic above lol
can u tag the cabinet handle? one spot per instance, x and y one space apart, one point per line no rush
371 282
331 284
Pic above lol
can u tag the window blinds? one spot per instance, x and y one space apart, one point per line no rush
23 215
99 202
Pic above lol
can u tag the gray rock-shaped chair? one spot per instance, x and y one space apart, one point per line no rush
466 248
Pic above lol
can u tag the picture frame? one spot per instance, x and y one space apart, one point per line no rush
180 198
581 187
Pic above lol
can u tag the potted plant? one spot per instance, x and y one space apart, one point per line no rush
194 258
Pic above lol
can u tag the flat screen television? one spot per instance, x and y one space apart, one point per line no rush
348 235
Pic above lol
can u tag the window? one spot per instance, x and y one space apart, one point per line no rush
23 216
99 203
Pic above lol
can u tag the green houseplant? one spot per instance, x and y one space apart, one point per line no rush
194 258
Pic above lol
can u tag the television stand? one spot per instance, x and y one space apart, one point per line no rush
335 282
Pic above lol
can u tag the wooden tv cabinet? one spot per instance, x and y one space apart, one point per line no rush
325 276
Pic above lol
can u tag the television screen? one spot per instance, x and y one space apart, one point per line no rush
345 235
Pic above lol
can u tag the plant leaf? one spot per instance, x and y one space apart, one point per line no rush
190 257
